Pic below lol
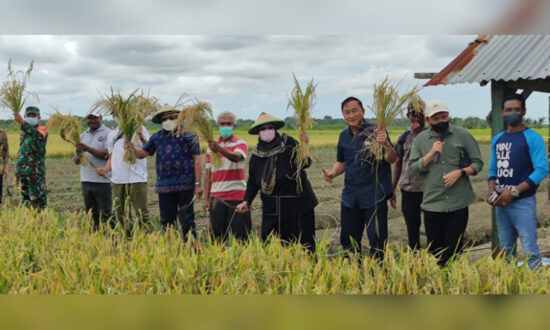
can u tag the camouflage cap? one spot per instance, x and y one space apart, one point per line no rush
32 109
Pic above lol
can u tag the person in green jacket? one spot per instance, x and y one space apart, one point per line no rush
445 156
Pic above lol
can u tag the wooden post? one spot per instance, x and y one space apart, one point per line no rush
498 91
548 141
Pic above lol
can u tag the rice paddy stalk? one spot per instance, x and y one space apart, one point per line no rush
302 101
53 252
387 105
196 118
130 112
13 93
69 128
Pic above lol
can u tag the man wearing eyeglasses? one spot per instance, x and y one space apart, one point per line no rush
367 185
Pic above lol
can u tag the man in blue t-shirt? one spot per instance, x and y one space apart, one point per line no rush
518 165
368 184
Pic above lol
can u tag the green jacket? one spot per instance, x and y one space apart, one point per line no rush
437 197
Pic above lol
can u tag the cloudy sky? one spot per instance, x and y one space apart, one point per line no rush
245 74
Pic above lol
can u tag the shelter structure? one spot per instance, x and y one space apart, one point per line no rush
510 64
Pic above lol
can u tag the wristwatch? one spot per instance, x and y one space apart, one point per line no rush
515 192
198 183
462 172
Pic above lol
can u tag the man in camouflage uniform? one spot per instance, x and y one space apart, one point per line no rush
31 167
4 159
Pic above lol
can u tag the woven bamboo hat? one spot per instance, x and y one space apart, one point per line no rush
263 119
164 109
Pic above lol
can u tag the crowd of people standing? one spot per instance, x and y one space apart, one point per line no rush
432 160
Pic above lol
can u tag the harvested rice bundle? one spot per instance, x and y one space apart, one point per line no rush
302 101
13 94
69 128
197 119
130 113
387 105
417 105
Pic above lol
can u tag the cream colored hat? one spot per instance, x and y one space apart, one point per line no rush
164 109
434 107
263 119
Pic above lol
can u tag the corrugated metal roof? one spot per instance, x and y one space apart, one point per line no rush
498 57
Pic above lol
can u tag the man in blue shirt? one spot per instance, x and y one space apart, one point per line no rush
518 165
178 166
368 183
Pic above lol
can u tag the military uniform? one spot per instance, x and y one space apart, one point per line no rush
4 156
31 167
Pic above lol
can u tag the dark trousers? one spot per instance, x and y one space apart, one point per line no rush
445 232
291 228
178 205
98 198
410 205
224 220
354 221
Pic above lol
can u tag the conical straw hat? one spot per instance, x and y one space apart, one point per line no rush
263 119
165 108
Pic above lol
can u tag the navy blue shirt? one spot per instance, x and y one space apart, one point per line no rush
518 157
368 181
174 164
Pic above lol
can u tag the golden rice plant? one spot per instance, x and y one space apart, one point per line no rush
417 104
13 93
387 105
130 112
69 130
302 101
56 253
196 118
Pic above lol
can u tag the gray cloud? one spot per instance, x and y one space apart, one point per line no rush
242 72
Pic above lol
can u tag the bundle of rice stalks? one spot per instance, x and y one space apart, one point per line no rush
130 112
387 105
302 101
13 94
197 118
417 105
69 129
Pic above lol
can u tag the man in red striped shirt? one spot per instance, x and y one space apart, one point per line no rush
224 187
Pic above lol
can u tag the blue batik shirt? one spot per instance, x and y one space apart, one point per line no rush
367 181
174 163
518 157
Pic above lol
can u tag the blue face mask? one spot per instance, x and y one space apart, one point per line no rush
513 119
31 121
226 131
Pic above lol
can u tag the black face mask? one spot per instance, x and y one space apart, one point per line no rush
441 127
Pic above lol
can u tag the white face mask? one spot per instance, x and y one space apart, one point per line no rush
169 125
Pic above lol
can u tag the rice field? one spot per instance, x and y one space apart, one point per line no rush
54 253
57 148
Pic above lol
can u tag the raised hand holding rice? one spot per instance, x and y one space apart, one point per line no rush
302 101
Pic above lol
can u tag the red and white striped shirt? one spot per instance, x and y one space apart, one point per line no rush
228 181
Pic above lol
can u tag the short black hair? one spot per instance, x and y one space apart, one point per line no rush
349 99
518 97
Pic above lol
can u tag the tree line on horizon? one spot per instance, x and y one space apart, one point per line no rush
327 122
